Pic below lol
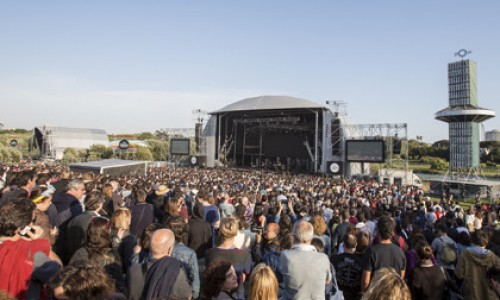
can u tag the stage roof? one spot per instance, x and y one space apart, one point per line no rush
269 103
107 163
111 166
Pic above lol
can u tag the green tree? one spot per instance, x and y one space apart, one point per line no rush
493 150
15 131
159 149
146 136
71 155
144 153
438 164
162 135
417 149
100 152
192 146
10 155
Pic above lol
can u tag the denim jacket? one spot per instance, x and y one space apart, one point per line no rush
190 263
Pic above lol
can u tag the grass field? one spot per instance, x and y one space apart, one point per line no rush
419 167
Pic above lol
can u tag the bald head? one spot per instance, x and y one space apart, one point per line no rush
162 242
274 227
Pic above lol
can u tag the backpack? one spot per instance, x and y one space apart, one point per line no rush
449 253
399 241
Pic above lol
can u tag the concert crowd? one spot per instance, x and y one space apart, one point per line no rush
186 233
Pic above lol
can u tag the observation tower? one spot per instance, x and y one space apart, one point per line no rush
464 116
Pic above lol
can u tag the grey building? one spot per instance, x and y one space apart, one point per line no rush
493 135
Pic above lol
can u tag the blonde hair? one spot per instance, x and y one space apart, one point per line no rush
228 227
388 285
107 190
121 219
263 283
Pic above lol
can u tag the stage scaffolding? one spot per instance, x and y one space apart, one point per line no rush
178 132
389 132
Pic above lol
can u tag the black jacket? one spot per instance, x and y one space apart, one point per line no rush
137 276
200 232
67 205
77 232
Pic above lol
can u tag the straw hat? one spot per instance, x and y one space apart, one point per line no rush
88 177
162 190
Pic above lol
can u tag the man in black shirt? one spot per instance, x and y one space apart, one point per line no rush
383 255
348 269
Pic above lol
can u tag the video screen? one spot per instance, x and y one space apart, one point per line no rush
365 151
179 146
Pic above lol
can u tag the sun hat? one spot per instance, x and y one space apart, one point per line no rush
162 190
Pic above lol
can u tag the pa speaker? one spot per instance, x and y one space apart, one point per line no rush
396 148
193 161
334 168
198 160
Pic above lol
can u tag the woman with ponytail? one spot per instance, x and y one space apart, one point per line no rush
428 281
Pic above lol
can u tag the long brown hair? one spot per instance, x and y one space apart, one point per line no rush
172 207
83 282
98 237
107 191
121 219
215 276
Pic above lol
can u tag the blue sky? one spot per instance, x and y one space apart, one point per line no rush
131 66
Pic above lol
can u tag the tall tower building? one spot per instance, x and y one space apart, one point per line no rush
463 115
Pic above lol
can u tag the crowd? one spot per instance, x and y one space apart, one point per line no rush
226 234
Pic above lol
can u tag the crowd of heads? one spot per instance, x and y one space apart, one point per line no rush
306 208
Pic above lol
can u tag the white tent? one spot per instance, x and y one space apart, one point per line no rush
53 140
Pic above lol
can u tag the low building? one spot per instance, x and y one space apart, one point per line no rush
492 136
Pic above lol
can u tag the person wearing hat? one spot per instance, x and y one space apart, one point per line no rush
62 183
88 177
159 201
42 198
162 190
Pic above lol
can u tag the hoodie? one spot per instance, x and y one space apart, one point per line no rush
472 266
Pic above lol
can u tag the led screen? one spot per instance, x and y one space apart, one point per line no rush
365 151
179 146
